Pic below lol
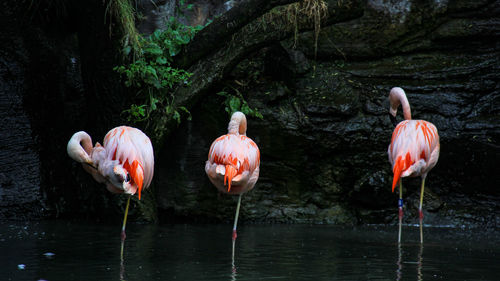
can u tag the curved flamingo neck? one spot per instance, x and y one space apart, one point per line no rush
80 147
397 96
86 143
238 124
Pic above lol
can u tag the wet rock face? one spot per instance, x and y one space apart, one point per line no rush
326 128
324 135
20 163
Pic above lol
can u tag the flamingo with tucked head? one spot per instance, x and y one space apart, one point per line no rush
414 149
233 162
125 161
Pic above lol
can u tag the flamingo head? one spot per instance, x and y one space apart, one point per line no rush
238 124
393 119
122 180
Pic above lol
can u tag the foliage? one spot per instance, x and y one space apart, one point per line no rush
153 75
237 102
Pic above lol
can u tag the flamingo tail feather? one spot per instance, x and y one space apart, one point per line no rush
230 173
397 170
136 173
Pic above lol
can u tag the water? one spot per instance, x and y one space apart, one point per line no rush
82 251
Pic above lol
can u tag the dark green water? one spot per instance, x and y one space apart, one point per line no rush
81 251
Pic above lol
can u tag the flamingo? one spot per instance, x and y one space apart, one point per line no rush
233 162
125 161
414 149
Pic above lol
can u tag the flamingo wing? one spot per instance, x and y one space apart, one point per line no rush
412 145
133 149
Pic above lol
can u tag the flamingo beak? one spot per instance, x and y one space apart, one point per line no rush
90 163
393 120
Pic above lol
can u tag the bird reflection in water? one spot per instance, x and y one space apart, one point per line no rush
122 261
233 266
233 273
400 262
122 270
420 277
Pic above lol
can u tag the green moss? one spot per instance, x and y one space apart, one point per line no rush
122 12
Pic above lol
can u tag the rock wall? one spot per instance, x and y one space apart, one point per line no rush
325 131
19 159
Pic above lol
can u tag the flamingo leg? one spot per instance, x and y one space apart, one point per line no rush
400 206
236 217
420 213
123 235
235 224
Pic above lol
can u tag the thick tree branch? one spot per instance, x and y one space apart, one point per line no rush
216 34
213 67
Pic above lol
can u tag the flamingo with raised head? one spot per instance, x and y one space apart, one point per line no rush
414 149
233 162
125 161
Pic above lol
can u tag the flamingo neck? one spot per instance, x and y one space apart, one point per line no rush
397 96
238 124
80 147
86 143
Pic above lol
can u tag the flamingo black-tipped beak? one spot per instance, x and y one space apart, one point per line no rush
90 163
393 120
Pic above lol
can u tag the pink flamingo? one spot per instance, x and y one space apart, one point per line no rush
414 149
233 162
125 161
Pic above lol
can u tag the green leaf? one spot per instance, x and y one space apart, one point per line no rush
154 101
245 109
126 50
157 34
187 111
234 103
155 50
177 117
161 60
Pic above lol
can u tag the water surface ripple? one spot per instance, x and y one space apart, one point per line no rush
61 250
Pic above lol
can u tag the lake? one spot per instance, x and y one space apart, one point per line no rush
63 250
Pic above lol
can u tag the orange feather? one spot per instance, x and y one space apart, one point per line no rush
231 172
136 173
398 169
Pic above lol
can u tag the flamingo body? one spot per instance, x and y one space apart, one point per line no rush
134 152
414 149
233 161
125 161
